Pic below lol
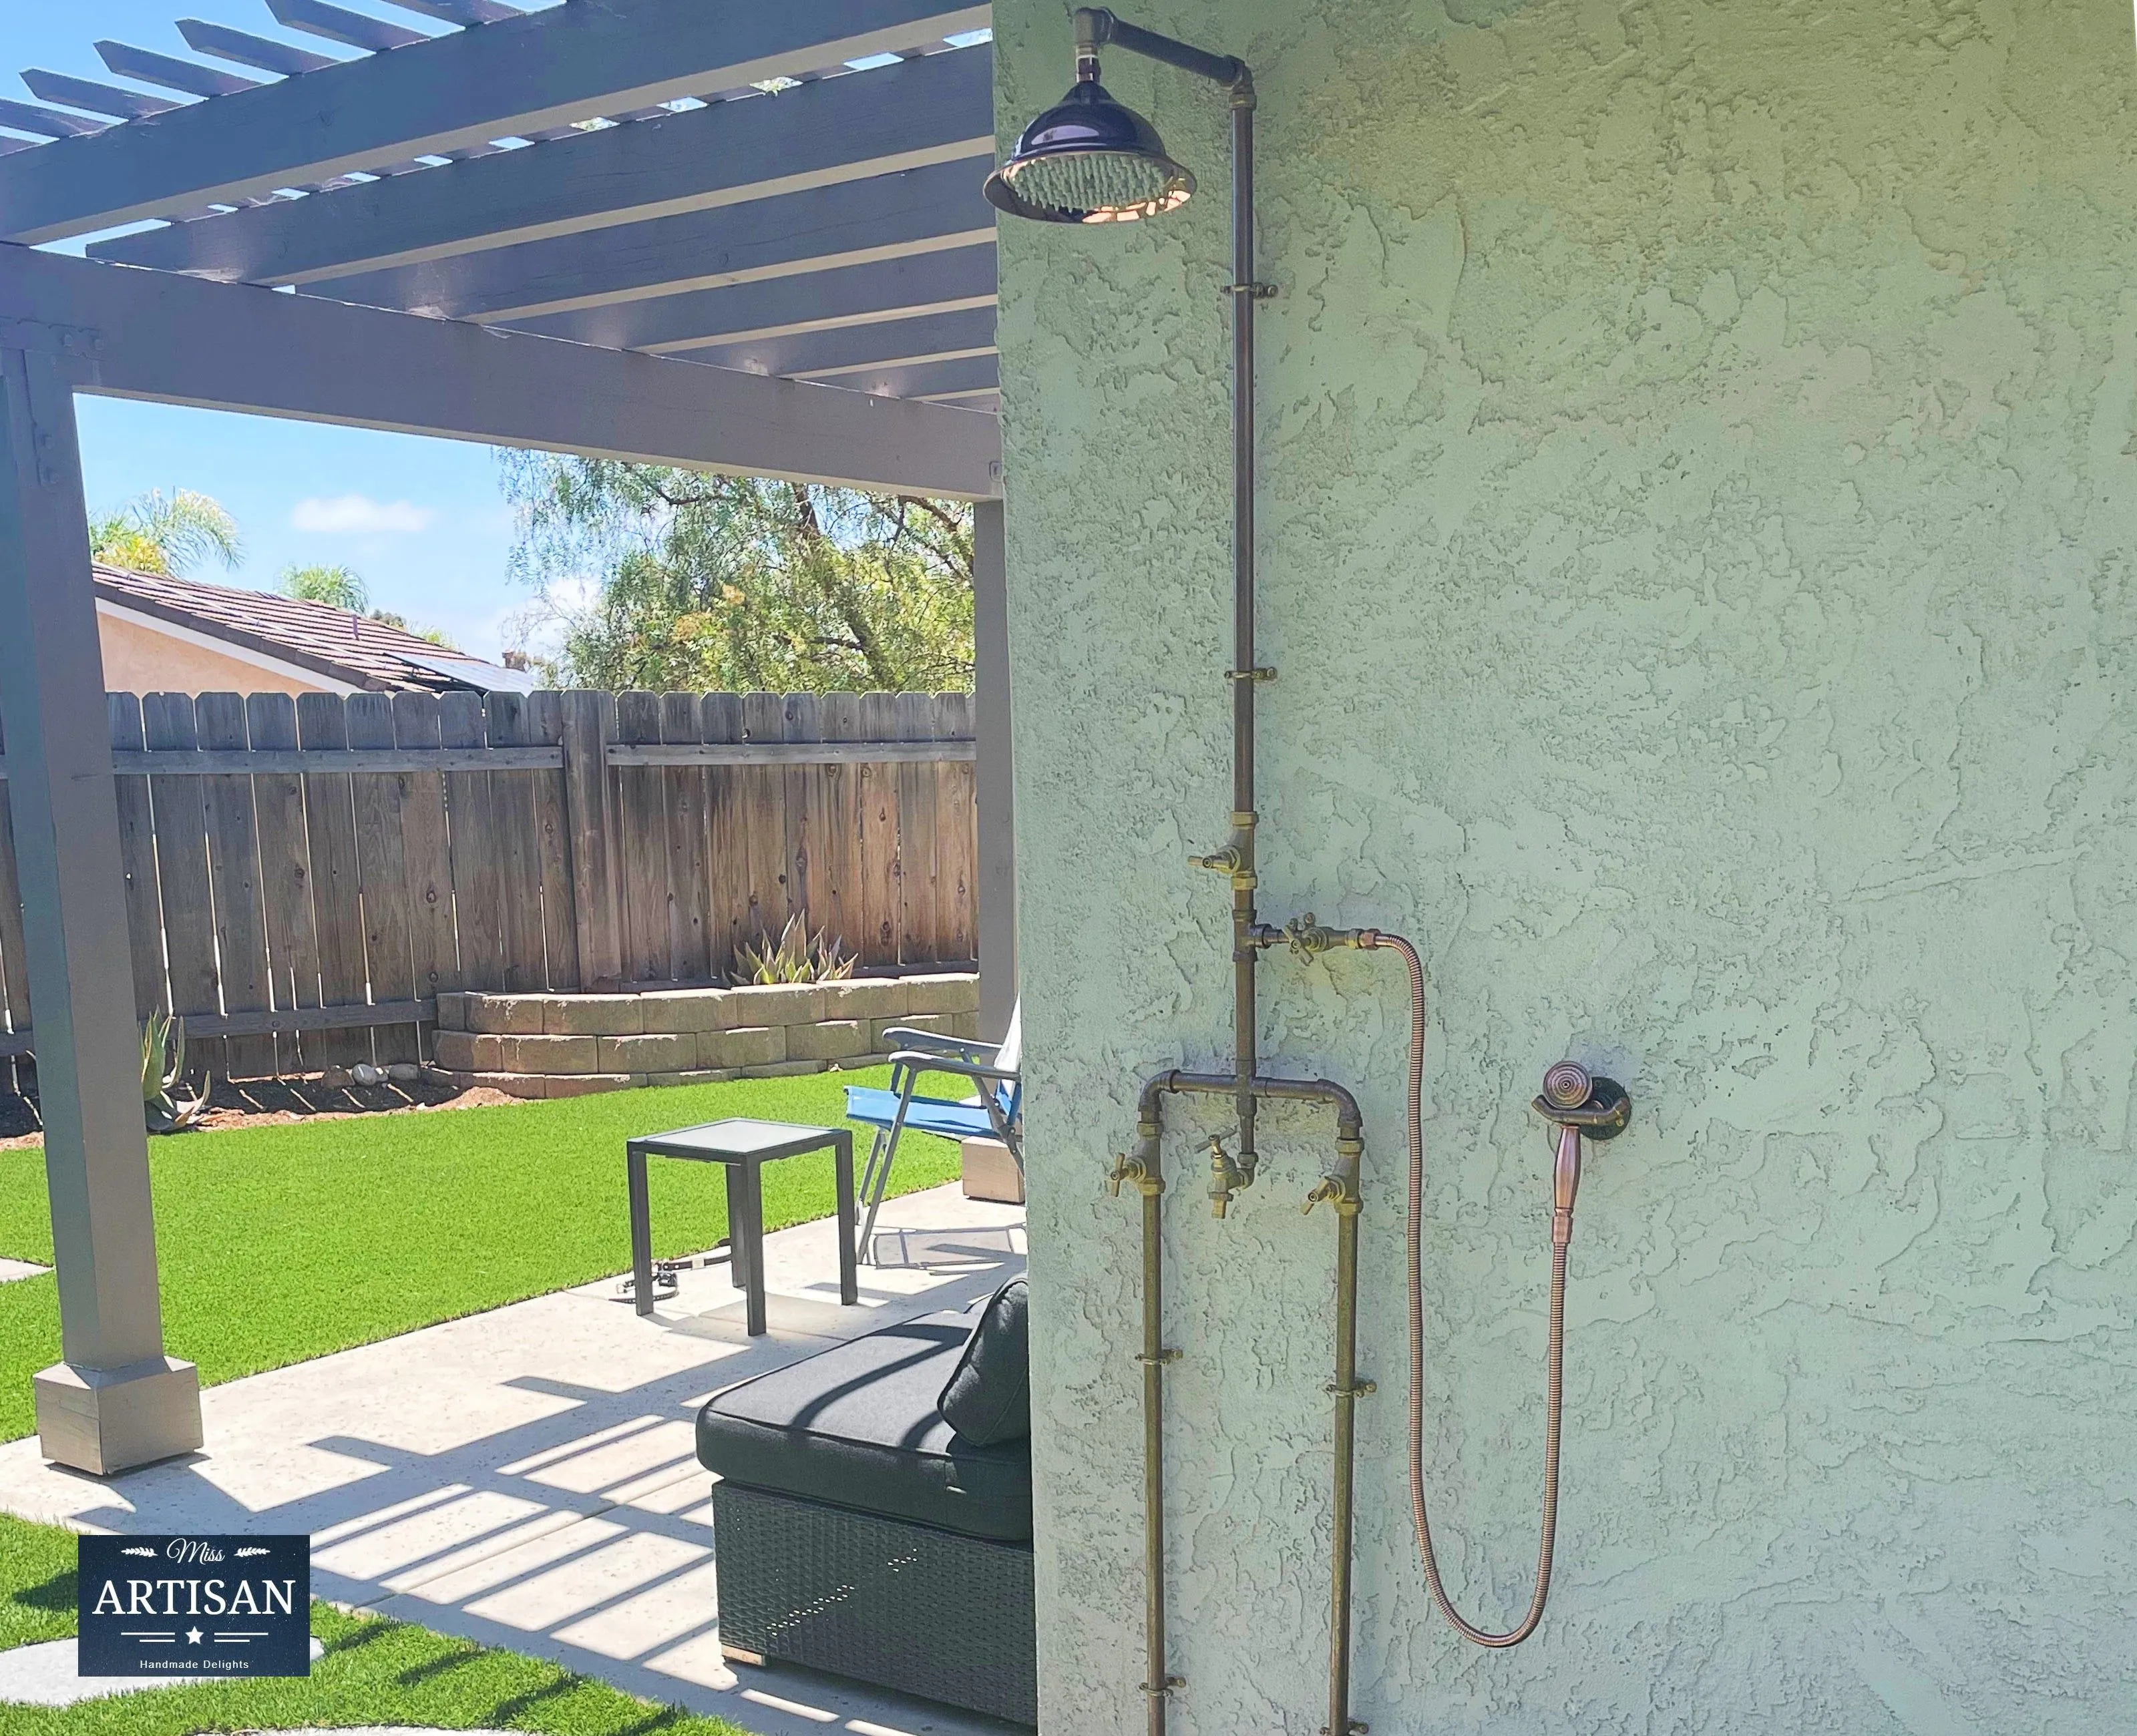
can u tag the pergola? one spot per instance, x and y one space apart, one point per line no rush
714 233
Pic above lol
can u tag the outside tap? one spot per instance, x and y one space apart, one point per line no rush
1125 1169
1226 861
1330 1189
1226 1179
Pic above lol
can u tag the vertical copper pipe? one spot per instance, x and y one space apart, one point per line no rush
1144 1170
1245 1021
1159 1685
1347 1389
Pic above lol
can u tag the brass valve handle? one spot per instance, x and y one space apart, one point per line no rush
1329 1189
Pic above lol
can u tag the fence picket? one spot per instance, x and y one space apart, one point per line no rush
517 852
689 954
233 857
878 835
381 861
719 719
764 719
182 872
337 915
589 724
956 832
916 853
478 869
285 871
137 857
560 931
640 810
429 850
834 827
804 721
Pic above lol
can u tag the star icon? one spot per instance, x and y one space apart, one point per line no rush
193 1636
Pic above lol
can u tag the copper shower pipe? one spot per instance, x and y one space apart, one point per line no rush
1338 1187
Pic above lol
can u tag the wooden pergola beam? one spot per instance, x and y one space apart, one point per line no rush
547 68
152 334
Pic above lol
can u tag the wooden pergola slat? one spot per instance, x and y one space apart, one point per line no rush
338 24
242 48
803 354
888 217
901 289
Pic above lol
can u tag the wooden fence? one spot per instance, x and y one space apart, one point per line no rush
303 876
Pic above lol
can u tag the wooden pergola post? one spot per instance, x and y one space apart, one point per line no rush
116 1400
994 774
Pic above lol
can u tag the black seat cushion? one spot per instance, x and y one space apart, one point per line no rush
988 1398
857 1426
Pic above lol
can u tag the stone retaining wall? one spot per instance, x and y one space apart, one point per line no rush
566 1045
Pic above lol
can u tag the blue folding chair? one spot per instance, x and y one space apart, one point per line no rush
996 1111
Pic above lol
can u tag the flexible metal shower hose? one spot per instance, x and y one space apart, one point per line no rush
1554 1391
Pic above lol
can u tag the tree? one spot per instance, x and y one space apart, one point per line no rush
338 587
670 580
342 587
170 537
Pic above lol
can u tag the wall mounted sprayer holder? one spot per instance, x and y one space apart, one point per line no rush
1090 159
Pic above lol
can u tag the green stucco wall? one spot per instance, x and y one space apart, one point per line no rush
1698 520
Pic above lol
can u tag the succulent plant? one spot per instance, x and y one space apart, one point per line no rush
162 1075
796 956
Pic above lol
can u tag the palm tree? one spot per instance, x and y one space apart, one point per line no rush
338 587
169 536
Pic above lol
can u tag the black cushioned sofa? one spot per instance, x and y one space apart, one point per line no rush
872 1515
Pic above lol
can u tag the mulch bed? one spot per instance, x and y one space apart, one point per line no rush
273 1102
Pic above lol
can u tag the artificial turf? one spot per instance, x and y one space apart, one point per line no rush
374 1672
277 1244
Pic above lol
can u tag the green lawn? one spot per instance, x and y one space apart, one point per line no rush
281 1243
374 1672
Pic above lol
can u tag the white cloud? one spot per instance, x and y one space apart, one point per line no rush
359 515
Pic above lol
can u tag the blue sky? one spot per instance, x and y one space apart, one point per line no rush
423 520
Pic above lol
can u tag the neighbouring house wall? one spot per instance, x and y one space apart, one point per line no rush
138 659
1698 518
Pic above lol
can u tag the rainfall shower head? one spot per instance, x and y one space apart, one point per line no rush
1089 159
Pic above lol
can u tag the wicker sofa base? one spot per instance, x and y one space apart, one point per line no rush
906 1607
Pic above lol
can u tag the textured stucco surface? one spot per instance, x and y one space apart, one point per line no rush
1698 509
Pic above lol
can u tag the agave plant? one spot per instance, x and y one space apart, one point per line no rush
796 956
162 1075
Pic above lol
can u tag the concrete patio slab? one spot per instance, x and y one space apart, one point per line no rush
49 1674
527 1477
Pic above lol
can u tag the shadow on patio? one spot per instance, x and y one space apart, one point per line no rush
526 1477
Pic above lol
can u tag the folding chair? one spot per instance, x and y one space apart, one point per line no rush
996 1111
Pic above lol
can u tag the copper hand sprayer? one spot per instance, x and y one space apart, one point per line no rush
1089 159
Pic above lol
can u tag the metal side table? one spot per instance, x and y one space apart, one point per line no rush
743 1147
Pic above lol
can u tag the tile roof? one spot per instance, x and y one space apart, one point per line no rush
331 642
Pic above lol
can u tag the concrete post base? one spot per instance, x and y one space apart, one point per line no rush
105 1421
